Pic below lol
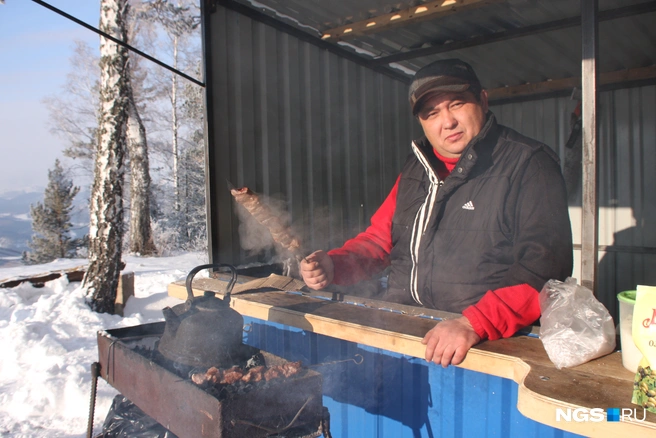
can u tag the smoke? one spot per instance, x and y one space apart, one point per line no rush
318 230
254 237
315 226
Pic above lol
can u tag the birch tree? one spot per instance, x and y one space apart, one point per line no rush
75 115
106 209
141 236
178 21
74 112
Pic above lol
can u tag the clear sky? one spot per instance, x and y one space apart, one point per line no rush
35 47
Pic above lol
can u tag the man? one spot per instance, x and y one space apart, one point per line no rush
476 223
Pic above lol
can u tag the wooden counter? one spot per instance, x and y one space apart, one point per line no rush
601 383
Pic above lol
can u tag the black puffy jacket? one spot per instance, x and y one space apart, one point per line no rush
499 219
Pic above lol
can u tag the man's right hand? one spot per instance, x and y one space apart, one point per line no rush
317 270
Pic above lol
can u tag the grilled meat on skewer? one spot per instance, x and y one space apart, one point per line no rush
236 374
281 233
231 375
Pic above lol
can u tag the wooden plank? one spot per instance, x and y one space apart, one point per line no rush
38 280
533 88
542 389
422 12
589 180
546 87
124 290
392 331
248 284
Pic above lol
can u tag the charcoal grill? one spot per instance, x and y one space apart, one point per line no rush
290 406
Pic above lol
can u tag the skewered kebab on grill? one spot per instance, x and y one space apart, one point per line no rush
281 233
252 375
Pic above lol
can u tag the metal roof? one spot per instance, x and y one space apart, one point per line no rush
512 42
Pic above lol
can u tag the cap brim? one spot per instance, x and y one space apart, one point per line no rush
430 91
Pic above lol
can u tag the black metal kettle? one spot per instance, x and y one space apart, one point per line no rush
204 331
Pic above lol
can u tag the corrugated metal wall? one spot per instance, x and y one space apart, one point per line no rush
627 180
300 124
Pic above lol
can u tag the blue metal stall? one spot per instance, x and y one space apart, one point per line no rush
393 395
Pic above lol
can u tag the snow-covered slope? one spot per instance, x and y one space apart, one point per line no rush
48 342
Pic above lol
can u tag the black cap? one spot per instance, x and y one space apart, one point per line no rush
441 76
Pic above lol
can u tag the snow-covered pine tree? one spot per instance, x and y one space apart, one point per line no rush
51 220
106 209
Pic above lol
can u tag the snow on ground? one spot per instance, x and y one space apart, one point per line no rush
48 342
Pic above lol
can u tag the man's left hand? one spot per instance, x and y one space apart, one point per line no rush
449 341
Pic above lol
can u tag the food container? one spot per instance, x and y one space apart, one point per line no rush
631 355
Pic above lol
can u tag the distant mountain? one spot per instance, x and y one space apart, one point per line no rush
15 231
16 224
9 257
4 252
19 202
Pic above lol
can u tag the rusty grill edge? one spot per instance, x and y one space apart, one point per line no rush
189 411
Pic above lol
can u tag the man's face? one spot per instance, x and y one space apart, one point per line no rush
451 120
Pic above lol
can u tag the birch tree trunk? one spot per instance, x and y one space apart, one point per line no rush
106 209
141 236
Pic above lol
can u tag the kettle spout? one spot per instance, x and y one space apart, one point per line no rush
172 320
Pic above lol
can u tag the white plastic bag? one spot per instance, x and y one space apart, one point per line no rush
574 327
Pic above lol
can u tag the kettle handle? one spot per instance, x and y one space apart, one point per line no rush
193 272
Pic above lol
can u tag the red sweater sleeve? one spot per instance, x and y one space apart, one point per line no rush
368 252
501 312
